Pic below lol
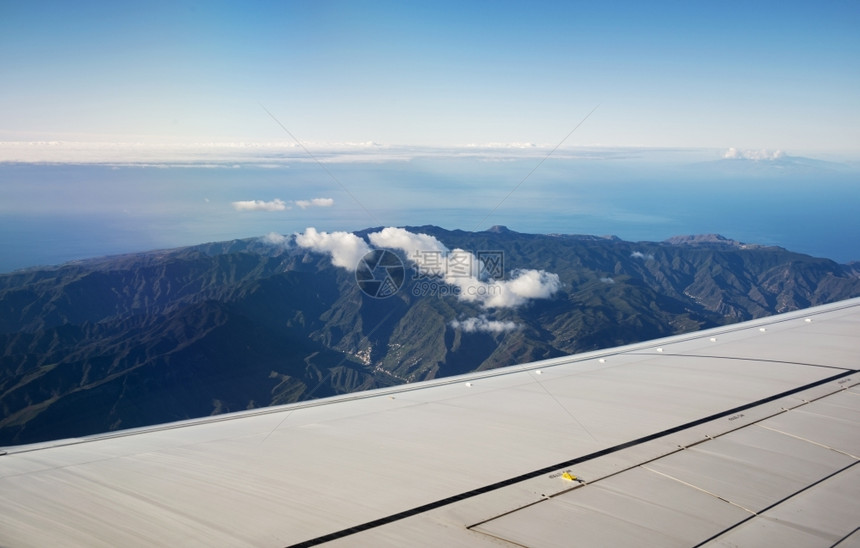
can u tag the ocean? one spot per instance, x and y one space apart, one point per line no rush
53 213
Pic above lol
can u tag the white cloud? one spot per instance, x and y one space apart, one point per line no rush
524 286
534 284
280 205
502 145
346 249
607 280
414 245
481 323
643 256
315 202
275 239
281 153
763 154
430 255
259 205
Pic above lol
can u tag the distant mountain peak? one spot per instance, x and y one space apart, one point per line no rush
500 229
704 239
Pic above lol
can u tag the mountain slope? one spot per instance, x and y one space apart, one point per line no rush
139 339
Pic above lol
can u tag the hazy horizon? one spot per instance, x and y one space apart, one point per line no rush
61 212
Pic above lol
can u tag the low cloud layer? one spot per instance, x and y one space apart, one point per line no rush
276 153
260 205
457 268
643 256
763 154
344 248
467 274
416 246
315 202
482 324
280 205
274 238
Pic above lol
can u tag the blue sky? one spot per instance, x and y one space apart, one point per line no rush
751 75
734 117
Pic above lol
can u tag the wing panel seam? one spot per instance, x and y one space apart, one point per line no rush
572 462
775 504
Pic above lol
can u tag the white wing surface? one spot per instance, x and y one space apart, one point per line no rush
743 435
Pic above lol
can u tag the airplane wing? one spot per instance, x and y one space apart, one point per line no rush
742 435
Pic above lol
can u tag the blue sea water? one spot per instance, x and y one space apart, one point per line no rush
54 213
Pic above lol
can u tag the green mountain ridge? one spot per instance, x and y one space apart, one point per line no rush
139 339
